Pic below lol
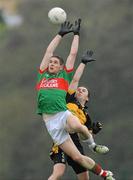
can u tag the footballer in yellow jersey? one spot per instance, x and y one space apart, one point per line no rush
56 154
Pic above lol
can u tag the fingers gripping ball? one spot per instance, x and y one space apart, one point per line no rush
57 15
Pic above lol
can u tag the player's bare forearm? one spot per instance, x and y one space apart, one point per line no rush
53 44
79 72
75 45
77 76
73 52
49 51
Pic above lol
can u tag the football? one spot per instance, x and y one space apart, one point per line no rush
57 15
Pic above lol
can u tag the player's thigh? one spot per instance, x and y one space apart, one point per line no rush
71 150
73 123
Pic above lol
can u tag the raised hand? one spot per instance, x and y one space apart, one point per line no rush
87 57
65 28
96 127
76 27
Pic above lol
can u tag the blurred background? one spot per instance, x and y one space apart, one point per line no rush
25 32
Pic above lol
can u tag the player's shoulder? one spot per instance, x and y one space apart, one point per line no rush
68 70
71 91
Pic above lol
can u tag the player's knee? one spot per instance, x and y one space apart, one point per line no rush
56 175
77 127
60 174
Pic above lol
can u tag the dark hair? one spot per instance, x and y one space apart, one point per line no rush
89 93
60 59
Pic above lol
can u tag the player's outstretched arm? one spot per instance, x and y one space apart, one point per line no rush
76 78
86 57
65 28
49 51
75 44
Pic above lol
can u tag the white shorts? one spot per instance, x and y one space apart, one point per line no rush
55 125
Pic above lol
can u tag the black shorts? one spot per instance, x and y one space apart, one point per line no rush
61 157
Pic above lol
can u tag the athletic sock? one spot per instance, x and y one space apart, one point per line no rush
90 142
97 169
103 173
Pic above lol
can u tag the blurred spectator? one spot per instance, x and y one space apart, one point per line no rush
9 14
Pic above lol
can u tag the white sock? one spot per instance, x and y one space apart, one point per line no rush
90 142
